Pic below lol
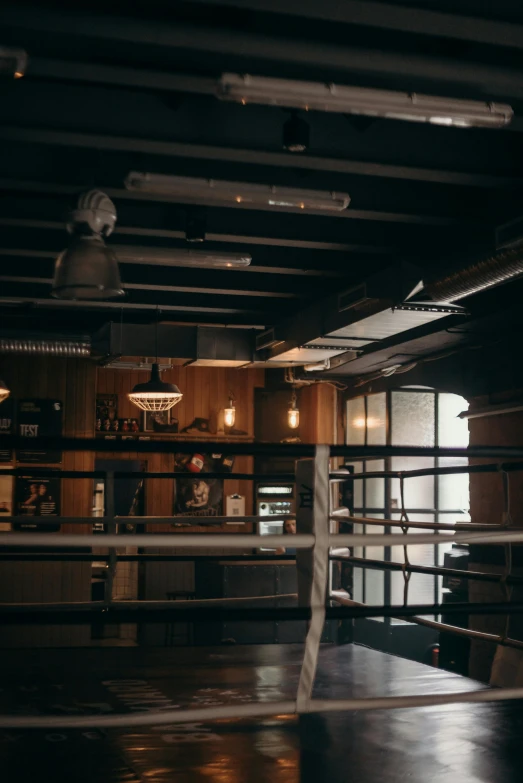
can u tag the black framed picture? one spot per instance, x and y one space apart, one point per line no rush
38 497
6 427
6 498
195 495
106 413
37 418
150 418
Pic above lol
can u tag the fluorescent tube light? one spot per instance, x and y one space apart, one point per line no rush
214 190
165 256
361 100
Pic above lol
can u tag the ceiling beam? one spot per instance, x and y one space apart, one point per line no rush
271 270
44 68
247 156
137 78
96 305
489 80
384 16
211 237
165 288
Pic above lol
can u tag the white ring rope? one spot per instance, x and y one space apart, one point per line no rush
319 578
341 597
257 710
248 541
321 540
167 604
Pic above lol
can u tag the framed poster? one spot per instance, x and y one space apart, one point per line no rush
38 496
6 427
194 495
39 418
6 499
150 418
107 413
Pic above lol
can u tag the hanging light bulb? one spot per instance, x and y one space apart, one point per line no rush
229 414
155 395
4 391
293 414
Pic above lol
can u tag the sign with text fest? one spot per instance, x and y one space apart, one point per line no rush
38 419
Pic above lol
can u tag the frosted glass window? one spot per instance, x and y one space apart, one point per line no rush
357 485
375 552
375 590
421 586
375 580
356 422
358 530
422 554
419 492
376 419
453 489
452 431
375 488
413 416
357 584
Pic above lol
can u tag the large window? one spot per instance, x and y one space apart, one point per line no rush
406 417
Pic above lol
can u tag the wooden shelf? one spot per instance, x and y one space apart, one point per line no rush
184 436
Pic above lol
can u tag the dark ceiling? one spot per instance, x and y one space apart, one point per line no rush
133 90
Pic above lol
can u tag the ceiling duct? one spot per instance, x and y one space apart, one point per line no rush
200 345
66 347
499 268
344 324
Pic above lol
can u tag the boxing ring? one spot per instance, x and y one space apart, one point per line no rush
317 544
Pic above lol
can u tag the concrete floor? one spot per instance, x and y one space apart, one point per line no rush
465 743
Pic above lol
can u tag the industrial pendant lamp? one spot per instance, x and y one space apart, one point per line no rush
229 414
293 414
88 269
155 395
4 391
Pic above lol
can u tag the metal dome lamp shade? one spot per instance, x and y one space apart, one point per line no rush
155 395
4 391
88 269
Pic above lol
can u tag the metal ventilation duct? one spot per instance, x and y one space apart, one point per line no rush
68 348
347 322
200 345
499 268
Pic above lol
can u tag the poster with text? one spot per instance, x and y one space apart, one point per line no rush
6 500
37 498
39 418
6 427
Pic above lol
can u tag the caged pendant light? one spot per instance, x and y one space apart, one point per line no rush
293 413
229 414
155 395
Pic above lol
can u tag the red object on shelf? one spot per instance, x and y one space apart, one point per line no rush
195 464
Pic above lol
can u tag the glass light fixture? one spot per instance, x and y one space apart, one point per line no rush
229 414
4 391
293 414
155 395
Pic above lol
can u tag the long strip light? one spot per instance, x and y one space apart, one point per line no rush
362 100
214 190
165 256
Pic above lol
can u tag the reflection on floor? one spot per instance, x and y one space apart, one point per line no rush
471 743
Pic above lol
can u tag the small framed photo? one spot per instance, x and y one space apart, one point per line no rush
159 418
